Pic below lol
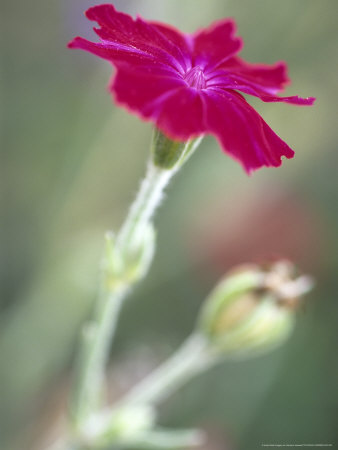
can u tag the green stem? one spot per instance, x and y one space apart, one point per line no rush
98 333
151 190
96 337
131 250
192 358
129 258
148 199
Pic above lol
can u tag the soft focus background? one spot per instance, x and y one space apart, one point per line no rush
71 164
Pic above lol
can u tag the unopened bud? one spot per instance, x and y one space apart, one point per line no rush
252 309
128 265
119 424
130 421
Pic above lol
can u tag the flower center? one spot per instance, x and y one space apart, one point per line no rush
195 78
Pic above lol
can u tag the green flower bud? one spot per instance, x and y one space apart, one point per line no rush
117 425
128 422
128 265
252 310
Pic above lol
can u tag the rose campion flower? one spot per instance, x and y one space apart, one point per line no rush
191 84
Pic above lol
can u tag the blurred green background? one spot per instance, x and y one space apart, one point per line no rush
71 163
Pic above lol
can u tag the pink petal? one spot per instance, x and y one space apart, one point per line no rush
242 132
116 53
182 114
271 78
260 80
294 99
228 81
175 108
143 89
215 44
182 42
120 30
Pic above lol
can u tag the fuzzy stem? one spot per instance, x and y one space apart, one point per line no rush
96 337
193 357
148 199
99 331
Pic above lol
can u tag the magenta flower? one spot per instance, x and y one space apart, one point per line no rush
188 84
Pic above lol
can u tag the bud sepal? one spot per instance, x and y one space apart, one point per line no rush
169 154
